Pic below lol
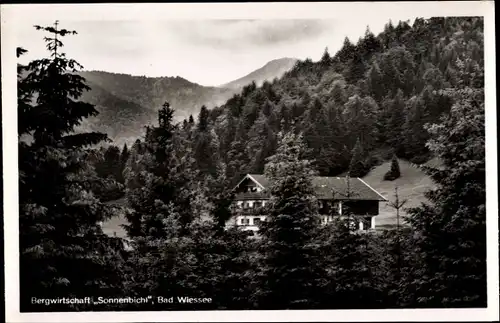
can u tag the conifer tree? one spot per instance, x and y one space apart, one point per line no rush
414 133
291 268
374 80
261 145
63 251
357 166
395 123
350 283
203 119
397 260
360 119
205 150
394 172
356 67
326 59
110 165
346 52
160 183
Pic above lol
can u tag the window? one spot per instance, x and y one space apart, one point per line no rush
245 221
257 204
246 205
256 221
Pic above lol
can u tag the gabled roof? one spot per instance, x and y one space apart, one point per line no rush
326 186
260 179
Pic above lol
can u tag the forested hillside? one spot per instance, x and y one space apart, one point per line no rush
372 97
412 92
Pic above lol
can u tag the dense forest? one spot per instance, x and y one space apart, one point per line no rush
412 92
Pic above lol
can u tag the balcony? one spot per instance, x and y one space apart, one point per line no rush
252 196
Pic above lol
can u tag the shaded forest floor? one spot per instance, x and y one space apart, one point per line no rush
411 186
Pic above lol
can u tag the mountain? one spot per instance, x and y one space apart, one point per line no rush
273 69
127 103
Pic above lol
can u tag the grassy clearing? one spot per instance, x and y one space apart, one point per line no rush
411 185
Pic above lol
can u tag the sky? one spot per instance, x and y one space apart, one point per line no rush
209 52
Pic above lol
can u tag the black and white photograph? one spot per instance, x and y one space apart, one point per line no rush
250 162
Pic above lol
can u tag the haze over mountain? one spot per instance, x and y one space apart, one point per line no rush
127 103
274 68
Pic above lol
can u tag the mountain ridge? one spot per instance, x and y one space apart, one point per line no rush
270 70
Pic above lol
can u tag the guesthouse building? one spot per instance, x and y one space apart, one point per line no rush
335 196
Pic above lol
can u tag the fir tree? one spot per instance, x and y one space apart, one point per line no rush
346 52
350 282
395 123
203 119
63 251
161 182
360 119
326 59
291 269
394 172
357 166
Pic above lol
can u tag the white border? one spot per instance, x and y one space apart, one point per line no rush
12 15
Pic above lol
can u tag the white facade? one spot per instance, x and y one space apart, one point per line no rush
251 222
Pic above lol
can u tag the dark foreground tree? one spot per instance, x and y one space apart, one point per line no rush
63 251
348 259
452 230
158 179
290 269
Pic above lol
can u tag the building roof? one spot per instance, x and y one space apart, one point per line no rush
325 188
